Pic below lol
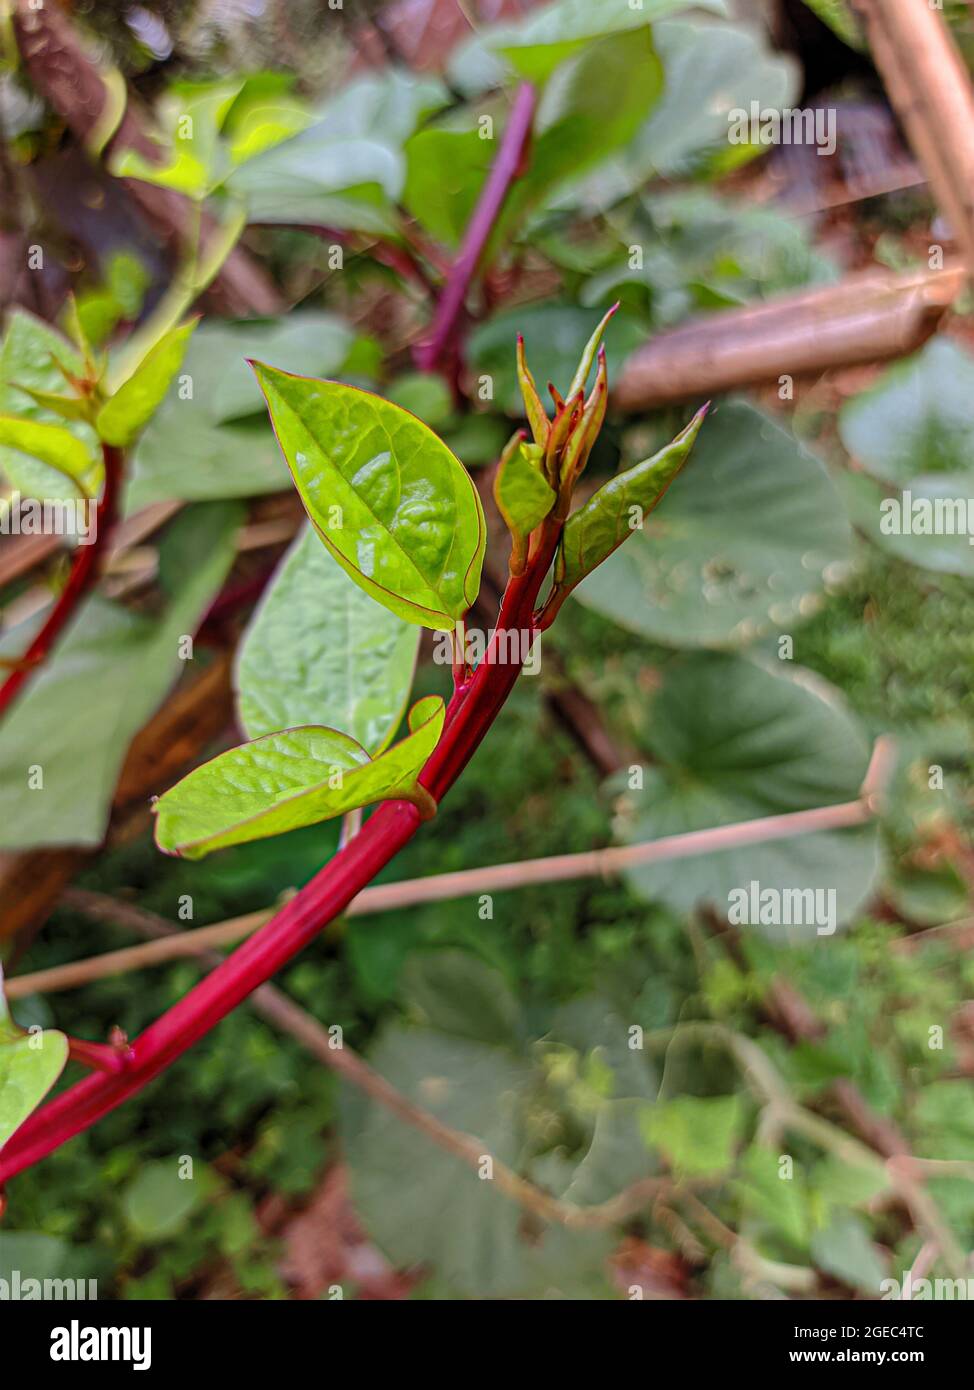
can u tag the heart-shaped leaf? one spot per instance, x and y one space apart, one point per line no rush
30 1063
390 501
747 537
619 507
140 396
916 418
733 742
319 648
290 779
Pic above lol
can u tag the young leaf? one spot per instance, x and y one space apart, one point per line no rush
138 398
290 779
394 506
29 1066
522 494
318 648
52 444
533 407
595 530
68 407
588 354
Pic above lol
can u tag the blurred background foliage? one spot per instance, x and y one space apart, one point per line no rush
350 137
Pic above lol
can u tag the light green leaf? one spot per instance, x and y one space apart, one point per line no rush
29 357
748 536
917 417
599 527
290 779
52 444
555 32
29 1066
318 648
124 662
445 172
698 1135
734 742
67 407
138 398
390 501
522 493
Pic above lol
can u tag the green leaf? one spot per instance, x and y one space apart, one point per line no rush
916 418
29 358
346 169
555 32
697 1135
845 1251
554 338
772 1198
52 444
929 524
290 779
137 399
206 441
456 993
523 495
425 394
747 537
124 662
319 649
606 520
734 742
841 19
158 1203
445 172
593 105
393 505
30 1063
67 407
454 1221
712 68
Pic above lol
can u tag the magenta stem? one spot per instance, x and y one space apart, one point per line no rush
506 167
469 716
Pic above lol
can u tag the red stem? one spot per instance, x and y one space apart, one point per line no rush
469 716
505 169
85 569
